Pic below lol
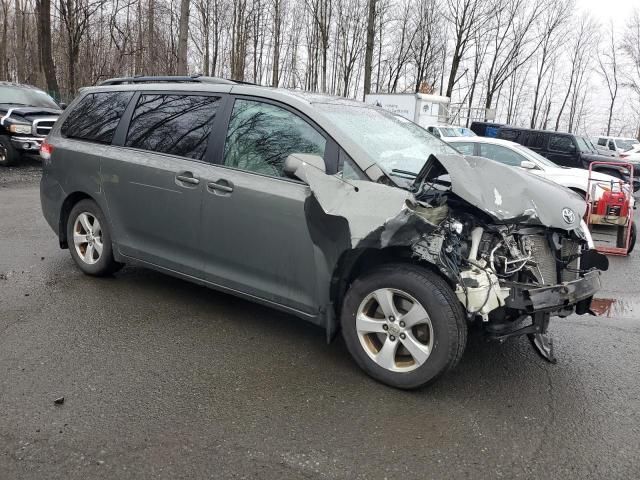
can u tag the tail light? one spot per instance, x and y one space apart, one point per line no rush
46 149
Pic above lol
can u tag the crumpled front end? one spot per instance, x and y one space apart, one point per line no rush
505 265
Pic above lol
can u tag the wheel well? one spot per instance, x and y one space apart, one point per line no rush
67 205
355 263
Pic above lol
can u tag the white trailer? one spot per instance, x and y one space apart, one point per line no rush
420 108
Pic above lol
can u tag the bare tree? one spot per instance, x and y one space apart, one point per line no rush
368 55
183 36
511 42
43 9
552 30
584 37
466 17
608 68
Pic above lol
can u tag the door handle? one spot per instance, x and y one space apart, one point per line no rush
221 186
187 177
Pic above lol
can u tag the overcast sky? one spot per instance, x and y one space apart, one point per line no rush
605 10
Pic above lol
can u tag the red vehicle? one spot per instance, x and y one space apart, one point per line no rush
612 205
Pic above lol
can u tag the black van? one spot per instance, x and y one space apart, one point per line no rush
565 149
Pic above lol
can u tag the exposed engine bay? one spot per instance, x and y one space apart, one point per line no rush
513 258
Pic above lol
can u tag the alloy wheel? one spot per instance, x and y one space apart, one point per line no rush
395 330
87 238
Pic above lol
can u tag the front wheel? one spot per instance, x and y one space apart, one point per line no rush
403 325
8 154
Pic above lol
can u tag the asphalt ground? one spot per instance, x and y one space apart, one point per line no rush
164 379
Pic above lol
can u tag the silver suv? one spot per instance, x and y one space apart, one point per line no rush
337 212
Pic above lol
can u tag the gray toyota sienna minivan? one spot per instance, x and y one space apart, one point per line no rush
340 213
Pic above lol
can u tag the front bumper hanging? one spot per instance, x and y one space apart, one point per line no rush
553 297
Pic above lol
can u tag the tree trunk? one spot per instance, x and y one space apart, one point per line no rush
152 68
183 37
277 23
368 54
43 8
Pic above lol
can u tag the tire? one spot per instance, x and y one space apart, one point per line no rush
8 154
439 340
91 249
622 236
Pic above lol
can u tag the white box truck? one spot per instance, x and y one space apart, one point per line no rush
423 109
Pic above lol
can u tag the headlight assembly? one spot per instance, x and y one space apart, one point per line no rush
20 128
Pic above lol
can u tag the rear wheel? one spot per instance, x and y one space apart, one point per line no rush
622 237
89 239
8 154
403 325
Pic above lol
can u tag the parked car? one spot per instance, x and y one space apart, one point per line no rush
595 148
337 212
516 155
449 131
26 117
564 149
617 144
632 155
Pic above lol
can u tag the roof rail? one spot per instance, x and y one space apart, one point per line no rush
166 79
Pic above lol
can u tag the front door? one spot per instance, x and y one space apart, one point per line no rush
255 233
153 181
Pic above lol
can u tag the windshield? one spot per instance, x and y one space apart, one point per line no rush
539 158
450 132
26 96
582 145
591 145
393 142
466 132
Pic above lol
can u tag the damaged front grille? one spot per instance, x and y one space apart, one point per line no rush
570 250
545 270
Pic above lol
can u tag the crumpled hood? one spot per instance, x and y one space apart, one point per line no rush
509 194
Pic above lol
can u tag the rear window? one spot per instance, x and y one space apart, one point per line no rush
174 124
95 118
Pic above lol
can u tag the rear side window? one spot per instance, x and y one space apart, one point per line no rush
96 117
561 143
174 124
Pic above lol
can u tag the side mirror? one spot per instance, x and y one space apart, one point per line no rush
294 163
529 165
62 105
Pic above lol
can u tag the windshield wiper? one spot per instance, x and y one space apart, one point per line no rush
405 173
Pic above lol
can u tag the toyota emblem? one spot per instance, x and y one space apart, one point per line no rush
568 215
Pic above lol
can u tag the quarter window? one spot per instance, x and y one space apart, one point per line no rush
561 143
174 124
96 116
261 136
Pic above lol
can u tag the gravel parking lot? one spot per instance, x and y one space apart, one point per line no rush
164 379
